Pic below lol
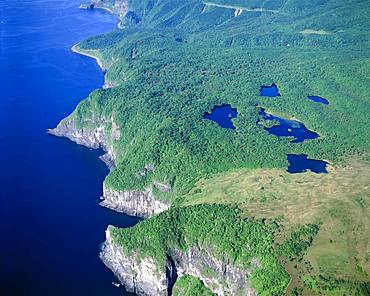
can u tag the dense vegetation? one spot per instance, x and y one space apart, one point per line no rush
298 242
232 237
170 74
190 286
176 60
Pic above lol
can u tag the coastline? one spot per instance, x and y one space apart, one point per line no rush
108 10
75 49
105 8
121 264
87 6
62 204
119 17
106 85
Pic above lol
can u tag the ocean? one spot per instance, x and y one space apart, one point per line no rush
51 225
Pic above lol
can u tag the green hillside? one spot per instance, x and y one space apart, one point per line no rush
190 286
175 60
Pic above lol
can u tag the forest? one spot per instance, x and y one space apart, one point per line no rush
173 61
223 228
166 86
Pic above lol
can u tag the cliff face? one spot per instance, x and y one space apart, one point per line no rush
134 202
90 137
143 276
222 278
118 7
140 276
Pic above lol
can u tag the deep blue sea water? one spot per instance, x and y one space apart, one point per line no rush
50 223
222 115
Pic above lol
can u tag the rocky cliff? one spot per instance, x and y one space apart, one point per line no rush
118 7
132 202
221 277
140 276
94 137
144 277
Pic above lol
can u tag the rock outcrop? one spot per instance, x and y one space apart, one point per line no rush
118 7
95 137
132 202
136 203
144 277
222 278
140 276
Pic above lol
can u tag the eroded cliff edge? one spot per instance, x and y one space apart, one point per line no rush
101 133
144 276
118 7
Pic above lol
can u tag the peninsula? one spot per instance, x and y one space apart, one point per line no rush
224 214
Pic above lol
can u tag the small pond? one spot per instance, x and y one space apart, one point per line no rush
269 91
299 163
286 128
222 115
318 100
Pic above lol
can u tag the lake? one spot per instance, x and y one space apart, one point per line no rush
299 163
50 221
318 100
287 128
222 115
269 90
